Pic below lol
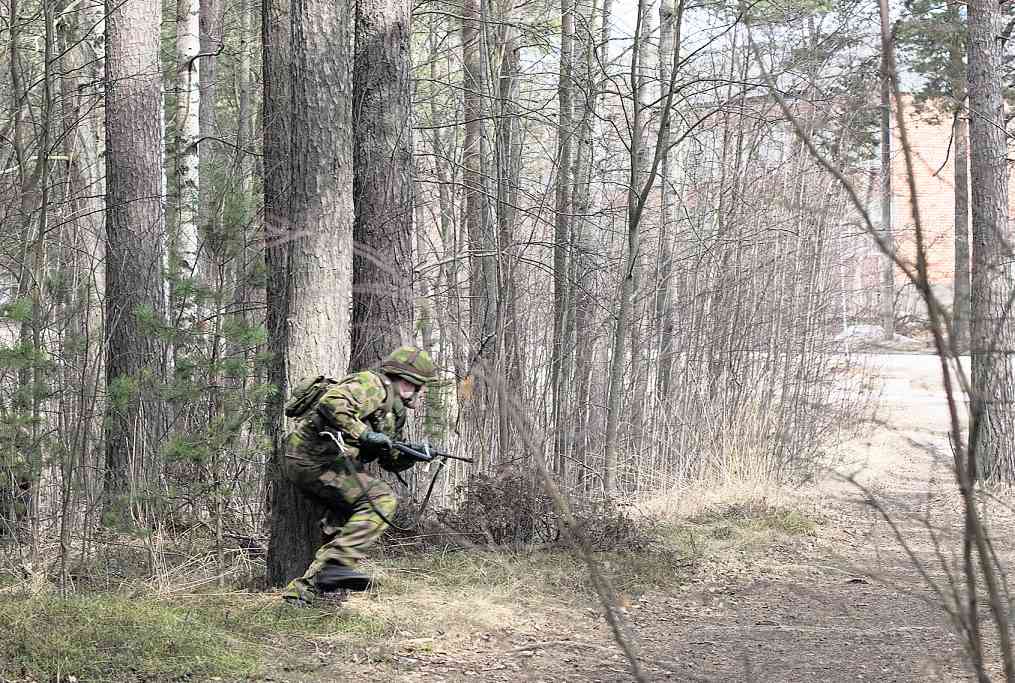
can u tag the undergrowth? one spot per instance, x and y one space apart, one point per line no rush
448 591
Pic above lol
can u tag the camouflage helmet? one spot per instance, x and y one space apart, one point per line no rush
410 363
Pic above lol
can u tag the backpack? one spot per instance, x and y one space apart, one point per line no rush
305 395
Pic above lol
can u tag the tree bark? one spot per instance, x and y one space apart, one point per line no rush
308 57
664 310
508 163
960 135
992 338
211 39
630 264
188 133
887 232
383 181
562 343
960 292
482 282
135 292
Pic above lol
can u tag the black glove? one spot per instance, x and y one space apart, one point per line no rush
375 443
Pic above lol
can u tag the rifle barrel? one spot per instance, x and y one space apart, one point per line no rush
426 453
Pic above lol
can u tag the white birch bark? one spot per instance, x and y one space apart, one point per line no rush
188 131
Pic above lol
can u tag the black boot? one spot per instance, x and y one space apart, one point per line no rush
335 577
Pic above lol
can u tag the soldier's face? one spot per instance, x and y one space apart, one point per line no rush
412 395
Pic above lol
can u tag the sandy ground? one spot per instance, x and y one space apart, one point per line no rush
849 603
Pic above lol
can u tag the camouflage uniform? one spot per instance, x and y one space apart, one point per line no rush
362 402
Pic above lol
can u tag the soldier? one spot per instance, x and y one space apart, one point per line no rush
363 413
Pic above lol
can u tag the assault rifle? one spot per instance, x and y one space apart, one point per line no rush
424 452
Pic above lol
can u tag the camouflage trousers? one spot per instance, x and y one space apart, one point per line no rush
352 524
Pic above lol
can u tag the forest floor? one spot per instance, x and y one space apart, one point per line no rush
744 584
838 599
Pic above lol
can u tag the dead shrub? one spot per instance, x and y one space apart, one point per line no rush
512 510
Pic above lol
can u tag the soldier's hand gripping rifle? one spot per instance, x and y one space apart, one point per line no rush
424 452
421 452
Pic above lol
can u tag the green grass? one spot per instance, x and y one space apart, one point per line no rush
107 637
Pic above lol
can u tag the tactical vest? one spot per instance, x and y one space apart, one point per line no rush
389 417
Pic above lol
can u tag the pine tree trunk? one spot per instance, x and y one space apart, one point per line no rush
135 235
992 434
309 221
383 185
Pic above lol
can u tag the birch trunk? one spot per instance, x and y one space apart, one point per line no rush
188 132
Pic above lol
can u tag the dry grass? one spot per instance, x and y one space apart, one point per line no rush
430 602
693 500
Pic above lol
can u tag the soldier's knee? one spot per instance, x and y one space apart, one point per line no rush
386 502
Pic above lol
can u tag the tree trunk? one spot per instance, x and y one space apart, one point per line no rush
308 57
211 39
960 295
482 285
135 292
507 133
664 310
188 132
562 343
638 376
992 433
630 264
960 135
383 181
887 232
80 258
582 287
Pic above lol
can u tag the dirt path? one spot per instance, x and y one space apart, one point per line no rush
845 604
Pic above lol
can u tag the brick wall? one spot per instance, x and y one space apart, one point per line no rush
929 134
